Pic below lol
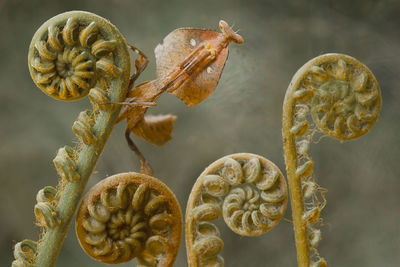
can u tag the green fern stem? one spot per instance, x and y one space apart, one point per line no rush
73 55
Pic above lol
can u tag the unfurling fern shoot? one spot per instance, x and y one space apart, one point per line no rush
247 190
342 97
73 55
130 215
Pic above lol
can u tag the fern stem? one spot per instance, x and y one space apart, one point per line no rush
73 55
296 199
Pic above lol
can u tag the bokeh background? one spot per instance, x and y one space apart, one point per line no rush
362 216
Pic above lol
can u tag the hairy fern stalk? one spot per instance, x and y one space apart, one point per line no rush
338 96
73 55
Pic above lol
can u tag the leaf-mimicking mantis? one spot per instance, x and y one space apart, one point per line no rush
189 64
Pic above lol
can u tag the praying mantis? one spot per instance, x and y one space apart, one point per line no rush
189 65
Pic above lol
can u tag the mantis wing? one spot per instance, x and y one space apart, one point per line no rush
175 48
155 129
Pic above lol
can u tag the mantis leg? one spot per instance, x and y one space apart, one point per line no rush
140 65
145 167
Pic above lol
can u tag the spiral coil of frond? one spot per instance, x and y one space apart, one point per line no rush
247 190
73 55
342 97
130 215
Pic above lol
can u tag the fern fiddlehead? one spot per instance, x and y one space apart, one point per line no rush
130 215
247 190
342 97
72 55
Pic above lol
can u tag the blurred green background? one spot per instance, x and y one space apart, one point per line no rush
362 216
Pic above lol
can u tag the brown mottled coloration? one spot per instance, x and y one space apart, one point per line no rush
189 65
